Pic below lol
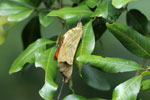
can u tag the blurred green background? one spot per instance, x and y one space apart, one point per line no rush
26 84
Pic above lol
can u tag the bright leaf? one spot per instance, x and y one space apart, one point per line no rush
131 39
120 3
46 61
44 19
66 13
94 78
30 54
128 90
146 84
92 3
112 65
87 43
77 97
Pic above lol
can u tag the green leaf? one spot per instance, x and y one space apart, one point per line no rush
44 19
94 78
8 8
120 3
146 84
92 3
87 44
29 55
77 97
112 65
24 2
99 27
131 39
138 21
46 61
21 15
101 10
145 73
66 13
5 26
31 32
128 90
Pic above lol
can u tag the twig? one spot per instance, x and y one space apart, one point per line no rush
142 64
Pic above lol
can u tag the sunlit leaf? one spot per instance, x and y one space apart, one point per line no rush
29 55
131 39
92 3
138 21
120 3
112 65
20 16
87 43
66 13
94 78
46 61
77 97
44 19
146 84
128 90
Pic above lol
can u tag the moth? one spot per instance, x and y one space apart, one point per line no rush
66 50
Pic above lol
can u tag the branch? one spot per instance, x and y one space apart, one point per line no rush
142 64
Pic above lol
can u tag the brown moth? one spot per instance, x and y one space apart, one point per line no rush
67 49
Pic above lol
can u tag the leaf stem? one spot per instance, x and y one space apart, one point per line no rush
142 64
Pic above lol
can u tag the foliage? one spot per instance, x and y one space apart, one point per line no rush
96 16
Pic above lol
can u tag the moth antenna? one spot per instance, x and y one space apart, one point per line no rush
60 91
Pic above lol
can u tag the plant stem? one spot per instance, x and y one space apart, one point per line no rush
142 64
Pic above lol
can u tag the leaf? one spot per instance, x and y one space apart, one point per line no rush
5 26
87 44
146 84
101 10
29 55
106 10
8 8
44 19
92 3
31 32
66 13
27 2
21 15
131 39
112 65
138 21
120 3
94 78
77 97
46 61
127 90
145 73
99 27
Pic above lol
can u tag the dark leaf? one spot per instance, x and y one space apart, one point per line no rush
94 78
138 21
131 39
31 32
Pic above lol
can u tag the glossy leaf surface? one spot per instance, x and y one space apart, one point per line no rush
146 84
67 13
46 61
20 16
112 65
128 90
120 3
131 39
8 8
29 55
44 19
94 78
77 97
138 21
31 32
87 42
